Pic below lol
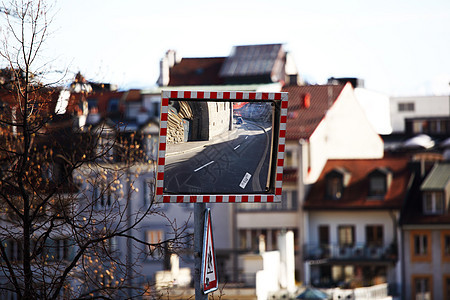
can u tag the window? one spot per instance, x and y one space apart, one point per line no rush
110 245
420 242
346 235
377 185
133 110
113 105
105 148
155 237
289 159
421 285
92 105
374 235
446 283
243 239
334 187
433 202
288 200
95 195
102 196
428 126
342 273
249 239
420 126
406 106
156 108
151 146
335 182
13 249
324 234
445 245
379 182
148 192
105 199
60 249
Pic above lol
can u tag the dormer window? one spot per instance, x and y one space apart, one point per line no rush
379 181
435 187
433 202
336 180
334 187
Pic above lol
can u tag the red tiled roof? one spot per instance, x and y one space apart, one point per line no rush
355 194
133 95
46 97
303 121
197 71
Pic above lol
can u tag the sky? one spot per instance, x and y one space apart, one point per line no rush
398 47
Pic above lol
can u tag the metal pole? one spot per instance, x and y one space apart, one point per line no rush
199 219
129 256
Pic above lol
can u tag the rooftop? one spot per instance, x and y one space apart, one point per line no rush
304 119
412 213
356 194
197 71
252 60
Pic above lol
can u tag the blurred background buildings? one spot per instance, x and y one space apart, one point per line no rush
366 183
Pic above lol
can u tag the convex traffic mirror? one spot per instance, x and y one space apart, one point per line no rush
221 146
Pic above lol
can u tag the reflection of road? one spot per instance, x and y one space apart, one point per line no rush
237 162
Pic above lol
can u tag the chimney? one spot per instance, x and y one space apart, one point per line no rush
354 81
169 60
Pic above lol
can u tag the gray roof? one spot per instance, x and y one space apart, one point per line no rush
438 178
251 60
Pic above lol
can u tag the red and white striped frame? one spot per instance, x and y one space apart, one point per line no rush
209 95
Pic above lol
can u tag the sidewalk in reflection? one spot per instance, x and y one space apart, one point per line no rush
196 146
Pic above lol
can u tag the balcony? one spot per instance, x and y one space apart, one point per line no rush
356 252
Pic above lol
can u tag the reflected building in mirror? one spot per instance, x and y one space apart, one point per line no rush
219 147
198 120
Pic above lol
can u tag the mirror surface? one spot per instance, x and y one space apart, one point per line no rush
218 147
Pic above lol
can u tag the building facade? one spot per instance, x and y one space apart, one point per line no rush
420 114
351 230
426 234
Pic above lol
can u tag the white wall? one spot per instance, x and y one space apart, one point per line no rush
424 106
261 220
349 132
344 133
436 268
219 117
359 218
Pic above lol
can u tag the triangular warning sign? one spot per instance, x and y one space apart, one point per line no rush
210 282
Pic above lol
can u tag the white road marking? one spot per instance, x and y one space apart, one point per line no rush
205 165
237 147
245 180
246 137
